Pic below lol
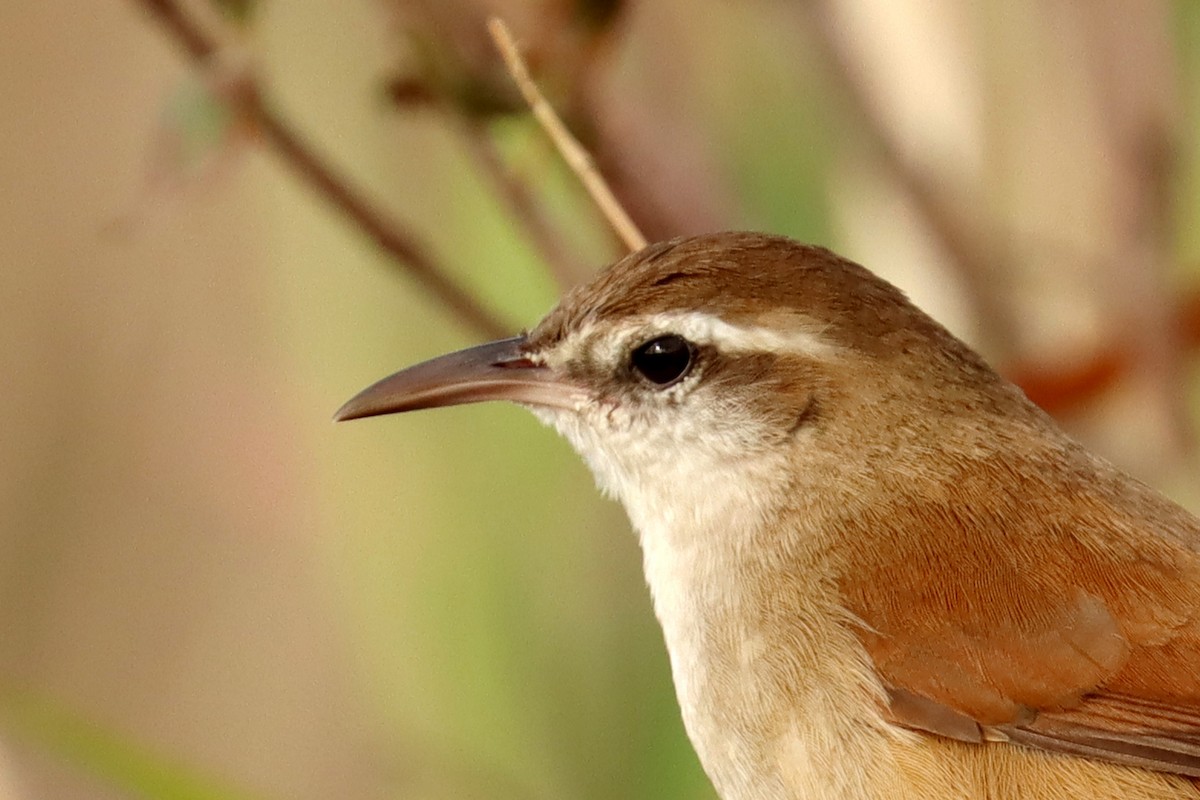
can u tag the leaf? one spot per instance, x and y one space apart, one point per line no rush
109 755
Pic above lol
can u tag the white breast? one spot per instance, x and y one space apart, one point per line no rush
775 691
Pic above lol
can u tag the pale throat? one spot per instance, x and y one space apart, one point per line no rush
704 490
712 560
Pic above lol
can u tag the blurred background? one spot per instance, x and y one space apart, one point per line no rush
221 219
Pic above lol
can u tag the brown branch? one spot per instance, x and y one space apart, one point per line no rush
572 151
392 237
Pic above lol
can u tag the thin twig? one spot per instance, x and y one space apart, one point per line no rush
659 166
572 151
563 265
392 237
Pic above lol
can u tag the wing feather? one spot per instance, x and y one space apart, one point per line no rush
1062 615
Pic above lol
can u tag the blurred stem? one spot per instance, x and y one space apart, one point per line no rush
564 266
1133 71
394 238
970 251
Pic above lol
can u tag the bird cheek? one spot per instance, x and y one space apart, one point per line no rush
606 414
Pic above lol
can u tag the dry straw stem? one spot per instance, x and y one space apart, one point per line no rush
572 151
392 237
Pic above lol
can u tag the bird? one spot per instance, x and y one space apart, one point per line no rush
879 569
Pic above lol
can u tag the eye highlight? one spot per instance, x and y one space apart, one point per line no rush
663 360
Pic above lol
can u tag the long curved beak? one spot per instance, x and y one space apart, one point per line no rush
498 370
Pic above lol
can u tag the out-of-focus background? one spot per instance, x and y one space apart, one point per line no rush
211 217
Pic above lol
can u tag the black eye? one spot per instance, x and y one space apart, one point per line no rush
663 360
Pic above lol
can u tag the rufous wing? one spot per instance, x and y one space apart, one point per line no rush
1062 613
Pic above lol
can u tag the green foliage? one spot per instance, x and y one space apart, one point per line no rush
108 755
